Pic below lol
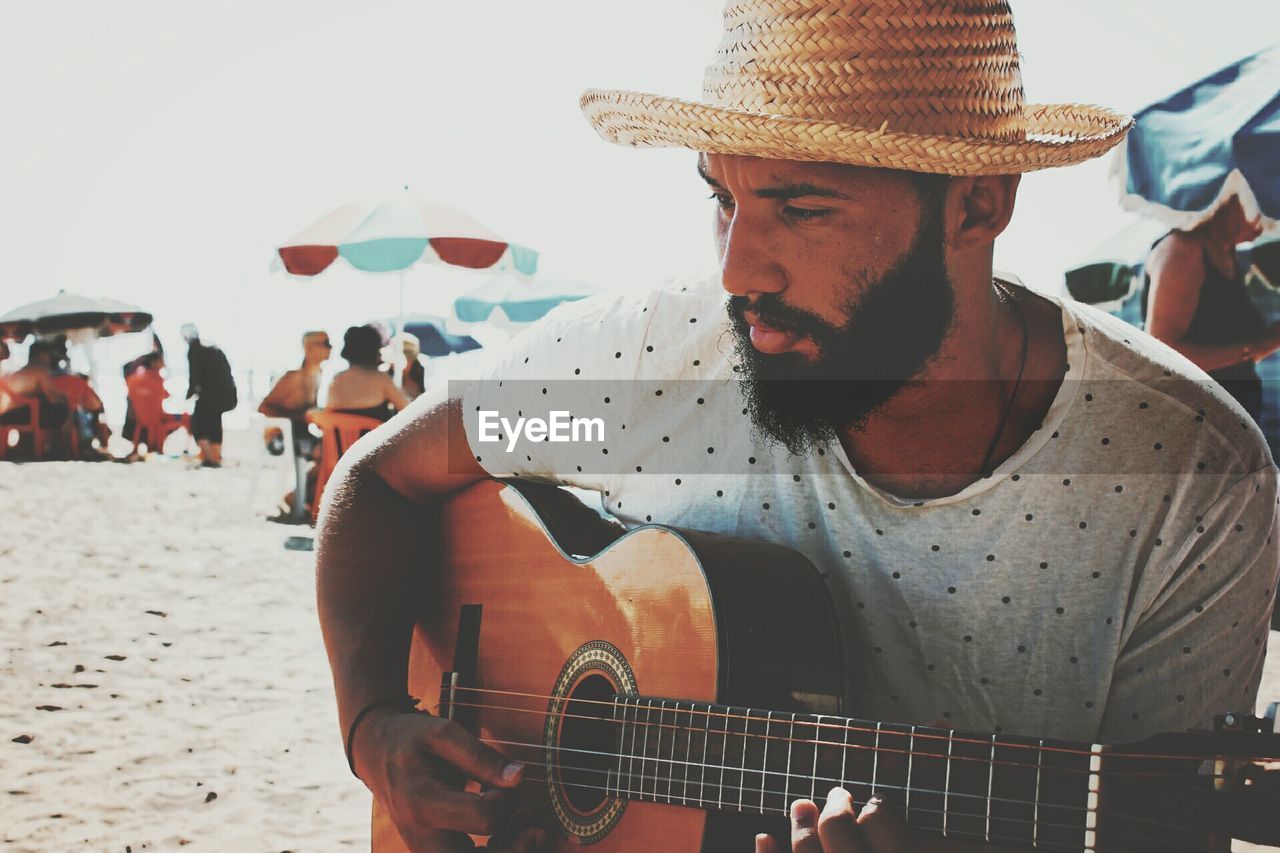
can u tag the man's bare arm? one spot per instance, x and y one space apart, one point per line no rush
370 548
275 404
371 571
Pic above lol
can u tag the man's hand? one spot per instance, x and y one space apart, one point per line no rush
416 766
839 829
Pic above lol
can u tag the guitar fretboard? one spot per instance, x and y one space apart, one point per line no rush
995 788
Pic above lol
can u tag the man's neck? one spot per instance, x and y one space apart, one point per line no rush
934 437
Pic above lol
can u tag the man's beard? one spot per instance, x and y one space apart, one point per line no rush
895 326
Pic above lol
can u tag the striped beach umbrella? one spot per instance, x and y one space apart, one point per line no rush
521 300
395 234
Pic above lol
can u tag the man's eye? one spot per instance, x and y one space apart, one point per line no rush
724 202
804 214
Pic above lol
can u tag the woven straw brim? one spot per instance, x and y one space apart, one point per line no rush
1056 135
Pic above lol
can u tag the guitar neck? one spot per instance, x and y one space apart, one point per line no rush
995 788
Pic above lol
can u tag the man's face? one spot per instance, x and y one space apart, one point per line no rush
839 287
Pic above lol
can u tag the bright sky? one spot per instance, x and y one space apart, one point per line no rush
158 151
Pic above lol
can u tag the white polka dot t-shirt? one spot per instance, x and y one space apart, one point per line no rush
1112 579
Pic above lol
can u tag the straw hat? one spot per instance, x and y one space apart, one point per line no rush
919 85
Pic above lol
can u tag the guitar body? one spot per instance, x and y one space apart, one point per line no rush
572 610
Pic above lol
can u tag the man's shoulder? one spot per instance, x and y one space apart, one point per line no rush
625 332
1147 381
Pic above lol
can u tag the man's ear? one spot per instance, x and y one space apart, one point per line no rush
979 209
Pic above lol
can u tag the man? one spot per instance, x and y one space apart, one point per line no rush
210 382
413 376
1031 517
294 393
35 379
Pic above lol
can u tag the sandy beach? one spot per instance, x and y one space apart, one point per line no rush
164 679
163 676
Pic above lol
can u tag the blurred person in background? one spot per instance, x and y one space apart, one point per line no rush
364 388
295 393
86 406
35 379
210 382
1196 302
130 367
413 375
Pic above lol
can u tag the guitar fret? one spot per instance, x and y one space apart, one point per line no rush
875 759
742 778
671 772
706 736
844 759
631 767
724 757
946 785
688 756
644 751
813 774
991 773
608 776
911 754
790 743
764 762
1035 819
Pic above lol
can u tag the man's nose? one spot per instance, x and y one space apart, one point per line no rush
746 266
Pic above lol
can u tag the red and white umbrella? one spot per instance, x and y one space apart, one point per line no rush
395 234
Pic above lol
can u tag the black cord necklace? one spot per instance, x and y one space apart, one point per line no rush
1022 317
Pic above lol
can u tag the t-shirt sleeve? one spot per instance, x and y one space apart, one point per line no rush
1198 649
571 371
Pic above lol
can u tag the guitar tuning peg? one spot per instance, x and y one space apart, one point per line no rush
1240 722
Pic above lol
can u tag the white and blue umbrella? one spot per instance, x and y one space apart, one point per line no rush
1216 138
521 299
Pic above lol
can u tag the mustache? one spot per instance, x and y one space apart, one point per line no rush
772 311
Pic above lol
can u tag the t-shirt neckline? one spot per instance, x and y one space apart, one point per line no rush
1077 358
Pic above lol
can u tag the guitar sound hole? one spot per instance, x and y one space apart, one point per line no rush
588 741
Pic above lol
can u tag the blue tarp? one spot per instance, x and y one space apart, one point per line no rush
1182 150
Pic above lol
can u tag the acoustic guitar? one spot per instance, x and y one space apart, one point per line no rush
676 690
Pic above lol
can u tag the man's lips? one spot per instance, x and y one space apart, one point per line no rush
766 338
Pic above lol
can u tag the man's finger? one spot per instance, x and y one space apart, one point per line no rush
521 834
804 827
478 814
837 825
766 844
451 742
882 828
438 841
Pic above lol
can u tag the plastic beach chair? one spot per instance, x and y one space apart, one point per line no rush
152 424
11 402
341 430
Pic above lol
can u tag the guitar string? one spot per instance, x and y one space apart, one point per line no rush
981 741
744 788
748 717
1114 834
953 833
755 736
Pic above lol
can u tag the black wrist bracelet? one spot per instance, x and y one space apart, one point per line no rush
405 703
